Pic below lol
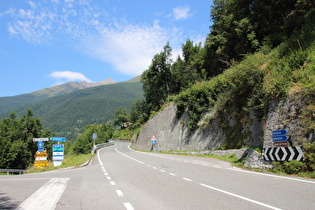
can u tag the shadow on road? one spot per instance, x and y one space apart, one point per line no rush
6 202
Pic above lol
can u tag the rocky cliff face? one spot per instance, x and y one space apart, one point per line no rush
171 133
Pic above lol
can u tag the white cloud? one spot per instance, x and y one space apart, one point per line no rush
130 48
67 76
180 13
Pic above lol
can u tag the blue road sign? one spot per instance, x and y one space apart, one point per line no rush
153 141
280 138
40 146
58 138
279 133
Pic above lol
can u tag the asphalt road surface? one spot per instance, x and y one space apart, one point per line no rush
120 178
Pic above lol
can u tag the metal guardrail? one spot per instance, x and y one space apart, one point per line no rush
98 146
14 171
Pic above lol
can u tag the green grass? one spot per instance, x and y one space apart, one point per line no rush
69 161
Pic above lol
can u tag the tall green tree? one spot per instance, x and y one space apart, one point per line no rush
157 79
187 71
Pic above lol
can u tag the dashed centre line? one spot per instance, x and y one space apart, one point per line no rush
119 193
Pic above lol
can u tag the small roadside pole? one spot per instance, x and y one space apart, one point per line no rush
153 140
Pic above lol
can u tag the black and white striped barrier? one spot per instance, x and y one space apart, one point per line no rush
283 153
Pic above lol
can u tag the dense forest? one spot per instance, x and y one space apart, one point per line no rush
256 50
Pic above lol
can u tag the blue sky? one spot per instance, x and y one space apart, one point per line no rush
48 42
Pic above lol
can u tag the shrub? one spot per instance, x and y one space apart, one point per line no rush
291 167
309 156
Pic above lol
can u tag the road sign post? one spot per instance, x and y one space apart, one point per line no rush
153 141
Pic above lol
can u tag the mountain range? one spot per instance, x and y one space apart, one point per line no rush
12 102
68 108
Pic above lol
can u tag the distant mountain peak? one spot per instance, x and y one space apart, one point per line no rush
104 82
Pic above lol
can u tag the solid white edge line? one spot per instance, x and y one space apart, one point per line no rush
129 157
271 175
98 154
241 197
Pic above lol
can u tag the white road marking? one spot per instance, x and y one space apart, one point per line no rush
154 167
112 183
108 177
119 193
271 175
129 157
162 171
189 180
241 197
128 206
47 196
172 174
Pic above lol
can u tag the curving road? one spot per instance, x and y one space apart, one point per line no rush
120 178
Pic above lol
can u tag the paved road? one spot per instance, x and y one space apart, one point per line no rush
120 178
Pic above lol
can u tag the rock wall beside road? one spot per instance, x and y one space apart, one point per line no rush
172 134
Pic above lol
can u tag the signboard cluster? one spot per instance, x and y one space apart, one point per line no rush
280 138
41 154
281 150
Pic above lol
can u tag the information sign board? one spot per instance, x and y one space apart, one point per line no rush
58 138
279 132
279 135
40 145
58 152
41 159
281 143
40 139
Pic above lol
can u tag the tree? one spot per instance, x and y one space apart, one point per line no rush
187 71
120 116
104 132
157 79
17 148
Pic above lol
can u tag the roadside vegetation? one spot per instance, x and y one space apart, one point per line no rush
70 161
